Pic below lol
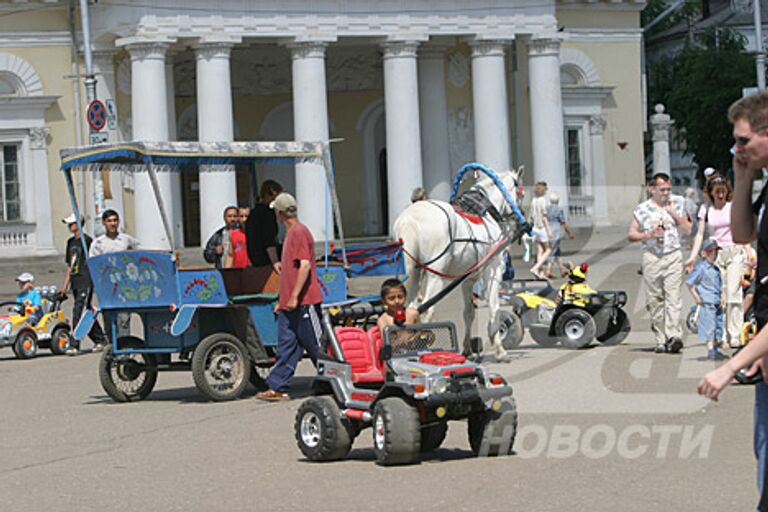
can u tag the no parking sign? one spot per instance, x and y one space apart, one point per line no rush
96 115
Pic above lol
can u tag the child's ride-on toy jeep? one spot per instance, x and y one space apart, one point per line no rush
407 386
19 331
574 315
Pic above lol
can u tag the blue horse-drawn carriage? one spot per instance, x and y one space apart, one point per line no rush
218 323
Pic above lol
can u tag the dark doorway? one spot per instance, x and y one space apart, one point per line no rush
384 191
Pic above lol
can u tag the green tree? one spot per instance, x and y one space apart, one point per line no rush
698 85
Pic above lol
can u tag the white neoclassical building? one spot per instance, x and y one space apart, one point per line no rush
411 90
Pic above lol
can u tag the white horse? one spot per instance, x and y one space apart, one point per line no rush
450 244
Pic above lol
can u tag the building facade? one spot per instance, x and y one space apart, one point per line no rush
411 91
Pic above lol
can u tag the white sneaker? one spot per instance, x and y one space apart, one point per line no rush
72 351
98 347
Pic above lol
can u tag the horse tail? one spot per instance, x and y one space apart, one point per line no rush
406 229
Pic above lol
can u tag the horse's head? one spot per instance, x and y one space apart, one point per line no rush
509 180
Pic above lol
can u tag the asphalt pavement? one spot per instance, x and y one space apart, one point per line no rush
600 429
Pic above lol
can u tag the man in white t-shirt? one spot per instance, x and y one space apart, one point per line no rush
658 224
112 240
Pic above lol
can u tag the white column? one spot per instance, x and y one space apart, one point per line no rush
310 123
218 185
599 179
435 150
104 68
547 130
401 101
38 138
150 123
661 123
175 207
490 105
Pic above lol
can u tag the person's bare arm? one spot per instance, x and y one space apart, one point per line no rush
743 223
694 294
682 222
272 253
714 381
67 278
697 240
635 234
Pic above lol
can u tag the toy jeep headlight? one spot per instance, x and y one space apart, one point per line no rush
441 385
5 330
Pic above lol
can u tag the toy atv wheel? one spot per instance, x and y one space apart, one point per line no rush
433 436
396 432
617 330
510 329
127 377
61 340
575 328
25 346
541 336
492 433
221 367
320 430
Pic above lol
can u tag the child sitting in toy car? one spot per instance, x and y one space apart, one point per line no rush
393 296
30 298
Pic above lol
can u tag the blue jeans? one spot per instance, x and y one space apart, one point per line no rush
297 330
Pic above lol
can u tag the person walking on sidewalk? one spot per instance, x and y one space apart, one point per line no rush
716 216
658 223
78 279
298 309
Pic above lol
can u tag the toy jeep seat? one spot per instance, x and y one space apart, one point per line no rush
358 351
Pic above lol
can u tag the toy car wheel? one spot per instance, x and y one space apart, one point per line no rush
615 331
221 367
541 336
396 432
510 329
61 340
127 377
690 322
26 345
433 436
492 433
320 430
575 328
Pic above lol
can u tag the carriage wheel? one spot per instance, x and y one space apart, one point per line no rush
127 377
221 367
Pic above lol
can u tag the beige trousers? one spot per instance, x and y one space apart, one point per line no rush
731 261
663 276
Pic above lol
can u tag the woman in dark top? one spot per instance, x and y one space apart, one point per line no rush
261 229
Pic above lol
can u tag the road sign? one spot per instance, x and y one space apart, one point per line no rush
96 115
99 137
111 114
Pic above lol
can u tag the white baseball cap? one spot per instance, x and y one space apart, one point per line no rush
283 202
26 277
709 172
71 220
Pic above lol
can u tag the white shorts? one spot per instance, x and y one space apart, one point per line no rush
540 235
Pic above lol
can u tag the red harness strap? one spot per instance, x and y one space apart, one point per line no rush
474 219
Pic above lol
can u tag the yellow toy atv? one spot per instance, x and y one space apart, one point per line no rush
574 315
19 330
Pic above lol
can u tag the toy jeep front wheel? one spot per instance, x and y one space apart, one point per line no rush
396 432
617 330
492 433
25 346
320 430
510 329
61 340
433 436
575 328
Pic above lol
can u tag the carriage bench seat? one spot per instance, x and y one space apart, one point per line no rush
358 351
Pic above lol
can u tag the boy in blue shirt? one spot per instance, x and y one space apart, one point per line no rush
30 297
705 284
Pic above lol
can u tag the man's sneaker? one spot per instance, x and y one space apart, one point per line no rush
674 345
660 349
72 351
98 347
715 355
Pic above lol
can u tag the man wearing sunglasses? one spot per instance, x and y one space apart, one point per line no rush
749 116
658 223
